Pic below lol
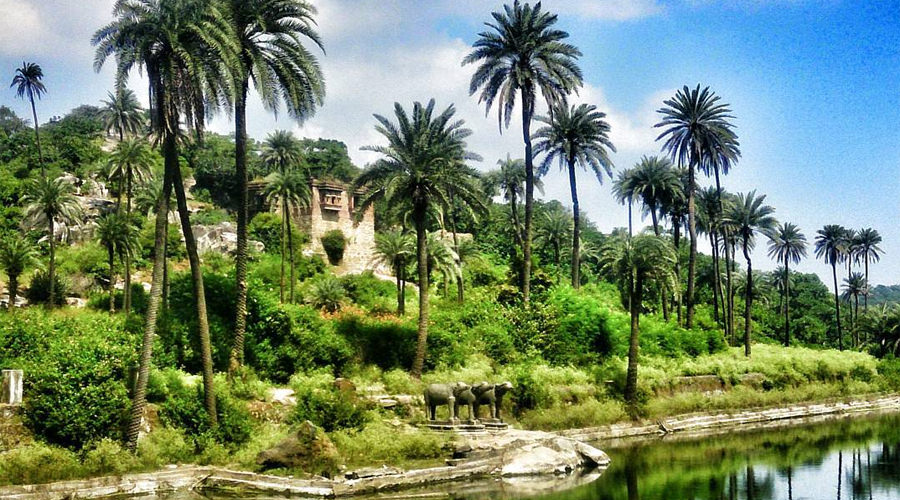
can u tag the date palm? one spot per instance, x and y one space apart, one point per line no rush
122 114
654 181
272 55
709 221
553 230
636 263
854 286
746 217
416 171
289 191
185 48
624 191
697 133
509 179
118 234
521 55
17 253
576 136
281 151
829 241
52 201
787 244
394 249
28 84
867 250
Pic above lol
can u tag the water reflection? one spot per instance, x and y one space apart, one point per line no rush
849 460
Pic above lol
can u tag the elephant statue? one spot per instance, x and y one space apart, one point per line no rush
467 398
443 394
491 395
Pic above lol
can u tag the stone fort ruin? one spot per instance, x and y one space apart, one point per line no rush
332 206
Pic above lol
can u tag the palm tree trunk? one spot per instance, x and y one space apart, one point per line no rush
633 345
399 291
283 250
630 230
856 319
52 267
13 291
422 258
716 257
126 293
112 279
209 391
290 238
730 251
37 137
676 240
527 107
156 288
514 209
712 241
748 298
460 286
236 358
837 307
576 233
866 295
787 303
692 262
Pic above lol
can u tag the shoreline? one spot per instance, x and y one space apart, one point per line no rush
688 426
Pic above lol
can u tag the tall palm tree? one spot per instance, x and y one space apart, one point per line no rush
185 47
116 232
829 241
553 229
509 179
709 221
17 253
854 286
624 191
747 217
414 171
576 136
697 133
122 114
442 259
655 181
867 250
787 244
520 55
394 248
289 190
28 84
272 55
635 263
131 161
51 201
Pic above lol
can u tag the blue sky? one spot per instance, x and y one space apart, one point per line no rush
814 85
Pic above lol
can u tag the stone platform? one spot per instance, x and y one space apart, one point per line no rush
467 426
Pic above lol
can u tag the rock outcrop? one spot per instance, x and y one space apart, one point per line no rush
221 238
308 449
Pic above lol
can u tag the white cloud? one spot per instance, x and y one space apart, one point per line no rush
51 28
614 10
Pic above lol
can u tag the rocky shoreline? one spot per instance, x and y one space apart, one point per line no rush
524 460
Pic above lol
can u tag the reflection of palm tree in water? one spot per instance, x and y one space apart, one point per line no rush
631 482
840 468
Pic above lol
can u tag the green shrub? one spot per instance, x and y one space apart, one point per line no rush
330 409
163 446
387 343
38 291
184 409
100 301
334 242
889 369
38 463
370 292
528 393
209 217
327 294
381 442
107 458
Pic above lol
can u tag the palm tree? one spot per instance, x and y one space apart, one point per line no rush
624 191
867 250
415 171
709 221
122 114
442 259
16 254
829 241
523 53
509 179
28 84
119 235
281 151
697 134
49 201
270 34
289 190
655 181
746 217
635 263
185 47
554 229
579 135
787 244
854 286
394 248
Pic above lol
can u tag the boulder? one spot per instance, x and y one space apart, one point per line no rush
308 449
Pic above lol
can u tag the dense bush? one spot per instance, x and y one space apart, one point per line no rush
330 409
38 291
100 300
334 242
326 293
183 409
370 292
387 343
76 365
209 217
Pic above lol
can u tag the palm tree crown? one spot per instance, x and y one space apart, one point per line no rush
281 150
122 114
829 246
579 135
655 181
28 82
787 243
52 200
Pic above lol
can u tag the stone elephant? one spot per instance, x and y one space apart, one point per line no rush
443 394
466 398
492 396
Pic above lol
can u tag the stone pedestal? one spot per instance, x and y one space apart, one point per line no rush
11 387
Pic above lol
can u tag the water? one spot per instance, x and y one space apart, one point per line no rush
850 459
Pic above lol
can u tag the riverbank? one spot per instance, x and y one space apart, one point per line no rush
511 455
